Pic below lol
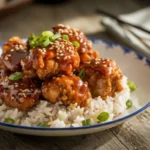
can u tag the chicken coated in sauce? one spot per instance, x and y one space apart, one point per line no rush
56 64
61 57
85 49
22 94
14 43
13 51
68 89
103 76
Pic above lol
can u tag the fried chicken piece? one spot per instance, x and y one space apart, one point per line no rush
13 51
2 66
85 49
60 57
14 43
10 60
68 89
22 94
103 76
27 65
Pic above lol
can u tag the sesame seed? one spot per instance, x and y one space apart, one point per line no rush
12 50
21 90
84 43
65 57
56 41
61 54
12 97
5 79
88 62
76 34
21 47
60 30
81 40
60 25
6 58
16 85
63 46
17 48
83 50
77 38
66 31
20 94
70 31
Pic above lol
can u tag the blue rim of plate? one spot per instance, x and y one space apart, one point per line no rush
110 44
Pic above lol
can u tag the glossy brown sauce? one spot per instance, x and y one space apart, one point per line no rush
50 71
22 94
78 86
103 76
85 49
68 89
11 59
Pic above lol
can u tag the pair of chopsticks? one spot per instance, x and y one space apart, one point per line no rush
119 20
127 26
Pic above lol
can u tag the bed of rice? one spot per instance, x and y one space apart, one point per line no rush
58 115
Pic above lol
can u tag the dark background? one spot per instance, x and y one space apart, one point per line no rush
76 13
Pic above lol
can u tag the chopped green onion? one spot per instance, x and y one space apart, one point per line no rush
86 122
15 76
36 39
76 44
47 33
65 37
131 85
43 125
103 116
56 36
42 38
81 74
128 104
32 44
32 36
45 43
9 120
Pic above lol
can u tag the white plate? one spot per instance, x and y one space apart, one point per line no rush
133 65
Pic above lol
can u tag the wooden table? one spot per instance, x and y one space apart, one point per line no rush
134 134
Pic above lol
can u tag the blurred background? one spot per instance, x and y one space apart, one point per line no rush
22 17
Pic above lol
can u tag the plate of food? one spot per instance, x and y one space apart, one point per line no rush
60 83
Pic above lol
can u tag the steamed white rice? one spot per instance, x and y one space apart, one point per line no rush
58 115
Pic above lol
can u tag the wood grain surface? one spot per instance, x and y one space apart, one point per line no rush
132 135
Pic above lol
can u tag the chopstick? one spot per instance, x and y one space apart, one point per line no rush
140 38
99 11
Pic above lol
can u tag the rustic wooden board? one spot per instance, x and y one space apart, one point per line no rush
134 134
